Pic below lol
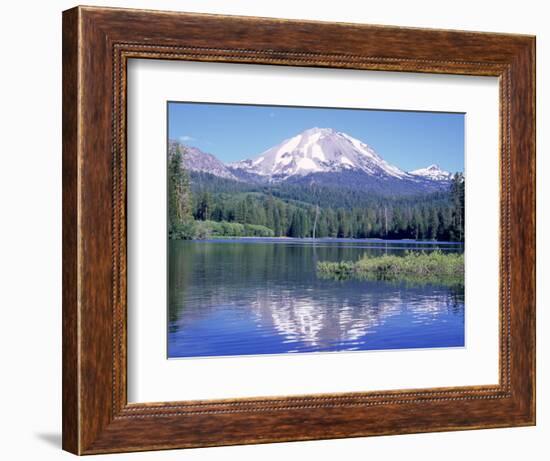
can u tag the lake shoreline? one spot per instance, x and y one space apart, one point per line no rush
320 239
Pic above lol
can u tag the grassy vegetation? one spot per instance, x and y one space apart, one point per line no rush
415 267
212 229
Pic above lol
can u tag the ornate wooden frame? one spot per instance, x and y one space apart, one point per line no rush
97 43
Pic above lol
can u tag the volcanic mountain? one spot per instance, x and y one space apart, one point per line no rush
324 157
318 150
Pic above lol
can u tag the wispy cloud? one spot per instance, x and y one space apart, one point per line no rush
187 138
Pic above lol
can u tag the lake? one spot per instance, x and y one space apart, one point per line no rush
248 296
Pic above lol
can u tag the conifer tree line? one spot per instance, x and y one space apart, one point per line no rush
202 205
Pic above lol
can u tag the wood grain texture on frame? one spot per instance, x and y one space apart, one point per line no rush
97 43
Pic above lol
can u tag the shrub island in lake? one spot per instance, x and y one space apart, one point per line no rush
420 267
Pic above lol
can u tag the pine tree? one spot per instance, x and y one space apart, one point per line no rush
295 229
179 189
458 195
434 224
204 207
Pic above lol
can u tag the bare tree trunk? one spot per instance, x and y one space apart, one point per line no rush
315 222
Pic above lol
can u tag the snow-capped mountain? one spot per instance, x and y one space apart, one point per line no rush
432 172
195 159
322 157
319 150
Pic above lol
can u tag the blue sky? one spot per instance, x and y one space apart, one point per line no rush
408 140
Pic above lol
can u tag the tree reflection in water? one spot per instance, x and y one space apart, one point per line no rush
257 297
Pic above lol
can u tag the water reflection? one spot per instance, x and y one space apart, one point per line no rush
237 298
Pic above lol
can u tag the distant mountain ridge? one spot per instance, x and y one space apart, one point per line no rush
433 172
324 157
203 162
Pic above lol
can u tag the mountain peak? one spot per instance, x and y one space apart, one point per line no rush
433 172
316 130
319 150
321 156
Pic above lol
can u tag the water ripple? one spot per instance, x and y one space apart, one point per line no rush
240 299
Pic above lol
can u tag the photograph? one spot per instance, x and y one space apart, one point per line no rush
302 231
313 229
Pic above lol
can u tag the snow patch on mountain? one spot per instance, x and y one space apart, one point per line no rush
319 150
433 172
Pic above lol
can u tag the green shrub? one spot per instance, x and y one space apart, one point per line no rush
212 229
255 230
435 266
184 231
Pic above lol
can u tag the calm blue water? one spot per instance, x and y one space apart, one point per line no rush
263 296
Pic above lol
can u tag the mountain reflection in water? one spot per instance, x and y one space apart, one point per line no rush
258 296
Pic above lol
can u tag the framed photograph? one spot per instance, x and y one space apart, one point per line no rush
282 230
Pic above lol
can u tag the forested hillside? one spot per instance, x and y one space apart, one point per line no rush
202 205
